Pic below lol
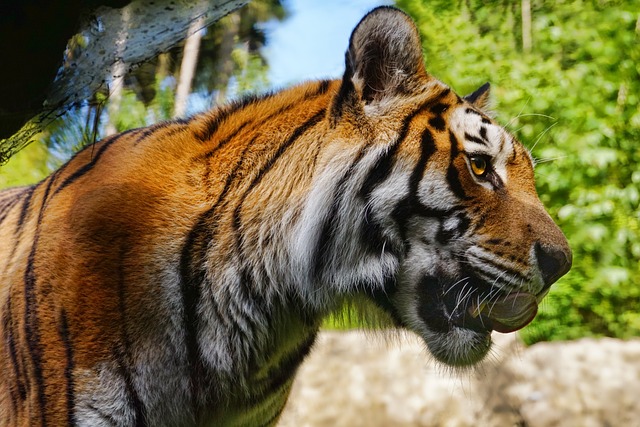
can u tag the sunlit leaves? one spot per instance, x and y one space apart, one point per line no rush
573 100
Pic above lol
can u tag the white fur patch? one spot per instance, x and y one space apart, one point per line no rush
498 144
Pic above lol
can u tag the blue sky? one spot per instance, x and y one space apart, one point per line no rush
310 44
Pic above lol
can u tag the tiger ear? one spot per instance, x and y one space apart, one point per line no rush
384 57
480 98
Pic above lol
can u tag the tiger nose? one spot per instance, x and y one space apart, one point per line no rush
553 262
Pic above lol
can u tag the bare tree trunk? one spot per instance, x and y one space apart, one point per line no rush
224 68
162 69
118 72
526 26
115 96
188 67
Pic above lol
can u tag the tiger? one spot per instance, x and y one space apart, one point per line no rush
178 274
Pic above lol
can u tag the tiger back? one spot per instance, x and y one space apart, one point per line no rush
178 274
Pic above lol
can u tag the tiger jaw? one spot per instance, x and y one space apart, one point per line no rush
456 317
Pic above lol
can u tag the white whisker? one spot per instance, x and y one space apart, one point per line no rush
519 114
454 285
549 159
537 115
541 135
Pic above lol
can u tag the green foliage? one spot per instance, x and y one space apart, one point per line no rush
27 166
573 100
251 76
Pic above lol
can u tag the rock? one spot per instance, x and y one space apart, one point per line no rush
387 379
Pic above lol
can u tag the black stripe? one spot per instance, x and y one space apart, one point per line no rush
497 266
439 108
411 203
134 399
9 197
68 370
249 292
225 141
183 120
192 271
211 153
297 133
88 166
464 224
483 135
192 276
7 323
484 118
453 178
427 149
32 331
438 123
6 209
148 131
7 320
498 242
475 139
322 249
346 96
193 280
514 154
31 319
232 176
430 304
205 226
248 295
26 202
323 87
409 207
123 354
9 202
214 120
429 212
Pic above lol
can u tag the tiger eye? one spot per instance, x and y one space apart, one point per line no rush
478 165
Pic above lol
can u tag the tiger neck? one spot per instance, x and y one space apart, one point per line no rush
252 319
274 217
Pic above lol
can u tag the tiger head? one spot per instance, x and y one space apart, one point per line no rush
445 200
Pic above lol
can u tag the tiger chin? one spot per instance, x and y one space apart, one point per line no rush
178 274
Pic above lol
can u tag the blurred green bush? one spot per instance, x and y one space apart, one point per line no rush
573 100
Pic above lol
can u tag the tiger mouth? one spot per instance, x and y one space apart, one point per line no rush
505 314
475 305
